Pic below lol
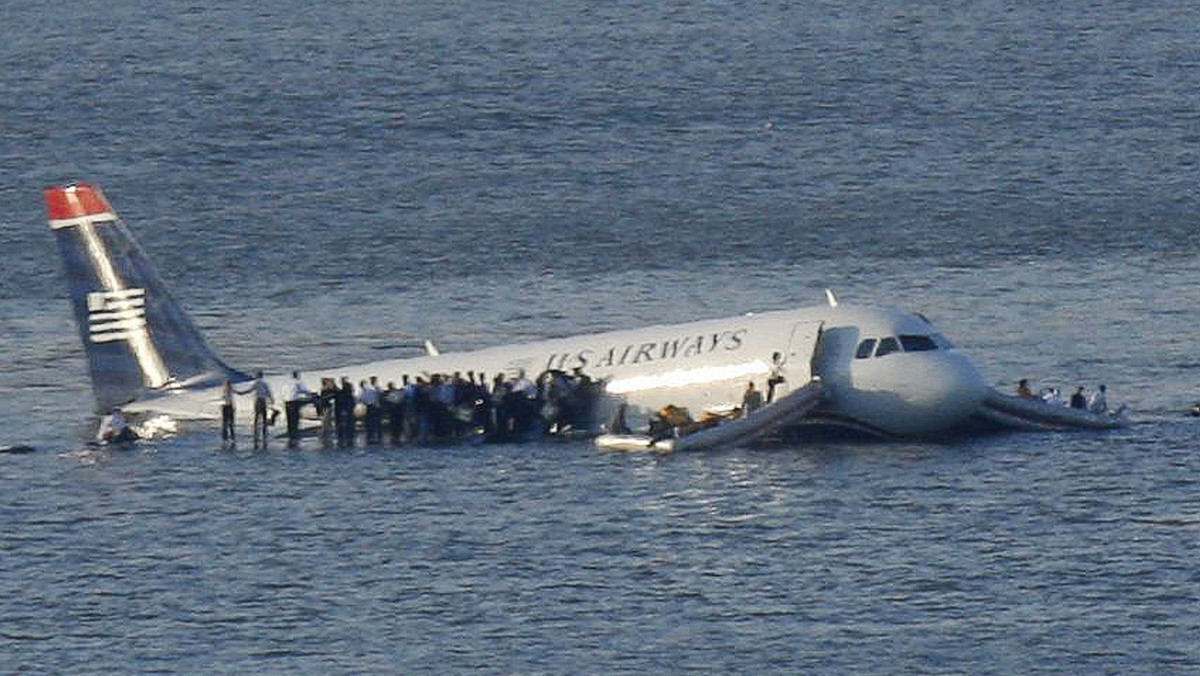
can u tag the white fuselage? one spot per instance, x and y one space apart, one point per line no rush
923 387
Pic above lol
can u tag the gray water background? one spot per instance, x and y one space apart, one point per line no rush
325 183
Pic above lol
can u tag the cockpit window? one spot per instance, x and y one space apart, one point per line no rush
865 348
887 346
914 343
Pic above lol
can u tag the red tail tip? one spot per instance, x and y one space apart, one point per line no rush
75 201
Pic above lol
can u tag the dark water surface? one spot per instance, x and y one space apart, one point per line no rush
329 183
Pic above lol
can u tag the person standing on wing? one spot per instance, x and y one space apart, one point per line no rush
368 393
343 405
227 429
263 400
299 396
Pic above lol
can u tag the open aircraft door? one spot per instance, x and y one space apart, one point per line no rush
800 363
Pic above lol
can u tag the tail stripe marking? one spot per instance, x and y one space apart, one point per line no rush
139 339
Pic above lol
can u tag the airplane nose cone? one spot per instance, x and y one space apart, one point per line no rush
941 391
958 390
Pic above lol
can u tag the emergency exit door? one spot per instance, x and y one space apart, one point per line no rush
801 360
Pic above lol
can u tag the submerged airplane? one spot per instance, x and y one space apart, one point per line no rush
881 370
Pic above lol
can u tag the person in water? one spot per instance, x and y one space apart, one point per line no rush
1023 389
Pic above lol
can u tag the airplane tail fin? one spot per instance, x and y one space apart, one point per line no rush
136 336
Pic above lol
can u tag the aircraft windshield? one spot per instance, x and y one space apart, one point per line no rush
887 346
917 343
880 347
865 348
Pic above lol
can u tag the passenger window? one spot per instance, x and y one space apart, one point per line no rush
865 348
887 346
918 343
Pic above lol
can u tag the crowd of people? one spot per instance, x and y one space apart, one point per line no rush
438 408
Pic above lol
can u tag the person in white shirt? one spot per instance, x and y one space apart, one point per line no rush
410 407
368 394
393 408
775 377
297 397
524 386
1099 400
1051 395
263 400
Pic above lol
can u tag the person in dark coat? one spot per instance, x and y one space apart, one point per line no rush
343 412
1078 400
